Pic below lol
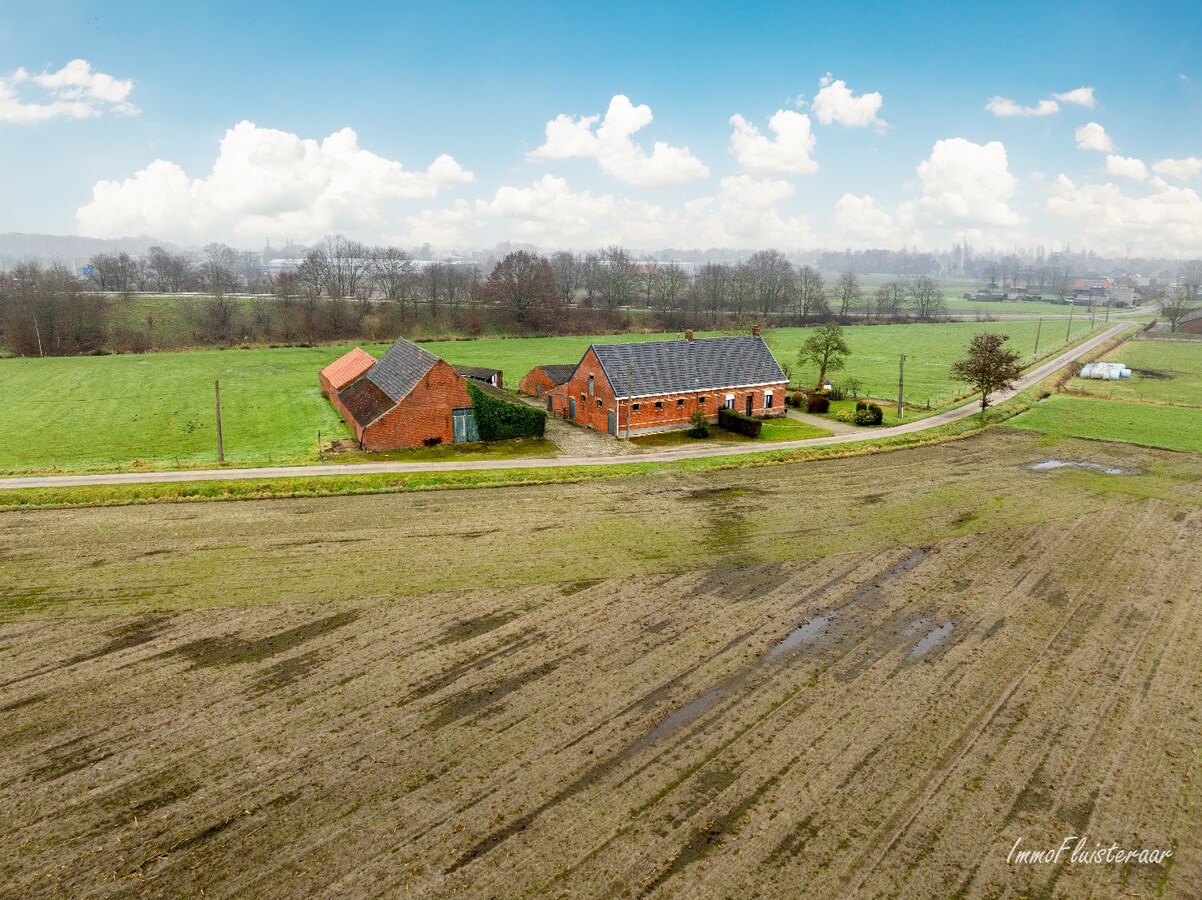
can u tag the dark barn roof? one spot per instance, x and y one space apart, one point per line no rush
559 374
478 373
675 367
365 402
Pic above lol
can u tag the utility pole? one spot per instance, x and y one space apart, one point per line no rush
1069 333
901 382
220 445
1038 328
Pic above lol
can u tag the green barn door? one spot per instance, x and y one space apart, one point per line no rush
463 425
613 423
572 408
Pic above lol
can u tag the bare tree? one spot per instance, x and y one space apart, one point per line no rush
847 293
928 298
669 288
569 272
810 296
346 265
1176 304
772 280
618 278
710 286
392 275
524 285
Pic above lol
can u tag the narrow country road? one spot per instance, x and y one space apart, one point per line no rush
386 468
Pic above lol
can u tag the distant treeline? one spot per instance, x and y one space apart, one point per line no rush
342 290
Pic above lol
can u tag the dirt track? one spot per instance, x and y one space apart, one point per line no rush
874 692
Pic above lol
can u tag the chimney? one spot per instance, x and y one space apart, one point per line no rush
755 330
688 334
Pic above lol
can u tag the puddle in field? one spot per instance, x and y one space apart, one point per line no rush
1049 464
800 635
930 640
916 626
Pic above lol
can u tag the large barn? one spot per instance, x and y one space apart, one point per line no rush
407 398
627 389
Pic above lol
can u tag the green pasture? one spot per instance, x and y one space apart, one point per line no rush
157 410
1170 427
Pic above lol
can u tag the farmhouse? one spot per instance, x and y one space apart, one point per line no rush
407 398
542 380
627 389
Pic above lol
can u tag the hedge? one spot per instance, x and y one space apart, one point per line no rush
499 420
739 423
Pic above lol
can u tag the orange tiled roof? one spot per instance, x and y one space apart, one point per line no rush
346 369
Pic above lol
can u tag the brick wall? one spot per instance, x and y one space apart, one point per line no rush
534 379
424 413
674 410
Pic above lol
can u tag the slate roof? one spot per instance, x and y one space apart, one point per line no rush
398 371
674 367
365 402
559 374
346 369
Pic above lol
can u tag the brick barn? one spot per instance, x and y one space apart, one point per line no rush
485 376
627 389
407 398
542 380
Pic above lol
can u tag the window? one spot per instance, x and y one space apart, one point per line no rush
730 401
679 402
701 401
636 406
592 385
582 397
598 403
659 404
767 399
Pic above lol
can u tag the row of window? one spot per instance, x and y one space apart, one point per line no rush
730 402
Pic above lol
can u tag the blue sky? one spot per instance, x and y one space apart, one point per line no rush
411 122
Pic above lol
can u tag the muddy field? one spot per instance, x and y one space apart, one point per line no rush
868 677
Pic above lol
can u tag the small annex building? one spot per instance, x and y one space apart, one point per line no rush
636 388
542 380
483 375
407 398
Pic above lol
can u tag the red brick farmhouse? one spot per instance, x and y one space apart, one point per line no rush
627 389
407 398
542 380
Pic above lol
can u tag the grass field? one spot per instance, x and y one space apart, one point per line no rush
1150 425
156 410
1163 372
843 678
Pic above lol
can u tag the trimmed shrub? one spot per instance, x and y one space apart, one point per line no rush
797 398
836 393
844 415
818 403
868 414
739 423
499 420
700 425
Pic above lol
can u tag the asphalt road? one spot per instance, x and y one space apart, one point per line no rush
383 468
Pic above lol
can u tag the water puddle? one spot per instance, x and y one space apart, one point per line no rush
931 639
1049 464
916 626
682 716
800 635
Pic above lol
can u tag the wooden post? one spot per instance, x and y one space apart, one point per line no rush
220 444
901 382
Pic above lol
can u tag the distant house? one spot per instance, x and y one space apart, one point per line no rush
487 376
635 388
407 398
1191 323
542 380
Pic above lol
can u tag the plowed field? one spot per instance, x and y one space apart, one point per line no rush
866 677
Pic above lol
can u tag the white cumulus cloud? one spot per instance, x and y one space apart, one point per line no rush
1162 219
1182 169
265 182
859 222
788 152
968 182
548 209
1082 96
1003 107
835 102
73 92
1126 167
608 140
1093 136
